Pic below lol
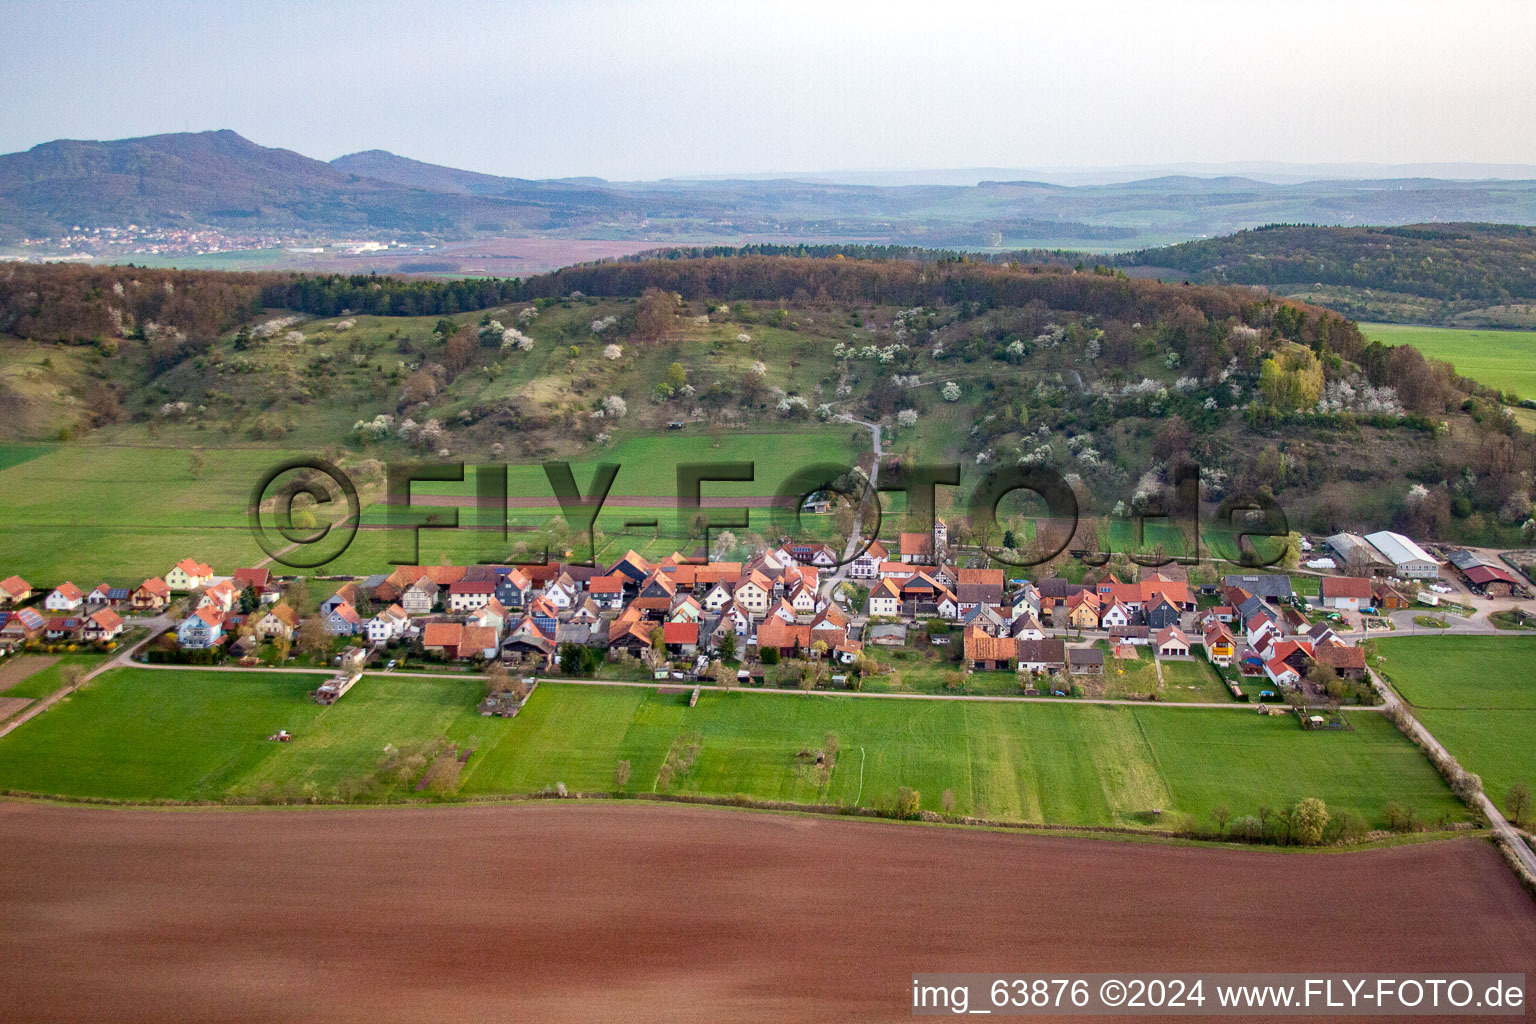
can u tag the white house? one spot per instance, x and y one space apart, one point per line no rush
1116 615
867 565
66 597
467 595
885 600
387 625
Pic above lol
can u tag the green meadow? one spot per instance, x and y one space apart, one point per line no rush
1477 695
49 678
144 734
1505 360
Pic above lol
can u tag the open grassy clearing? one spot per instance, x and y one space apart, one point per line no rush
648 464
98 512
107 485
16 454
346 741
1505 360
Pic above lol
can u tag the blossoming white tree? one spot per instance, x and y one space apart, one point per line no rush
907 418
951 392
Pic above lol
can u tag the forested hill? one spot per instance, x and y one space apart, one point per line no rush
1448 268
85 303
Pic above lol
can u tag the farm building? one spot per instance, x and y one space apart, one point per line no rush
984 651
1087 661
1345 593
1347 661
1041 655
1408 559
1356 555
1483 577
1272 587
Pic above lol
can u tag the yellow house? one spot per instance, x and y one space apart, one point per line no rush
754 594
1220 648
188 574
1083 610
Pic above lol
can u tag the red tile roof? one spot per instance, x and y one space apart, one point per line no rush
1345 587
442 634
107 619
680 633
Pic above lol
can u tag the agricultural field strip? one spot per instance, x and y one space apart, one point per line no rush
144 735
766 691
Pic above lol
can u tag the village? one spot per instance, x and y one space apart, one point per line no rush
794 616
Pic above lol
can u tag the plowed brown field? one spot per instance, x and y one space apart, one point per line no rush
636 913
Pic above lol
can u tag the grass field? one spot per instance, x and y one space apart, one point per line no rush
188 735
1463 671
50 677
122 513
1477 695
94 513
1076 764
1505 360
142 734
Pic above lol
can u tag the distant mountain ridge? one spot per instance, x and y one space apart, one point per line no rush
221 180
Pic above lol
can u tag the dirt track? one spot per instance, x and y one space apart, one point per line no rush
631 912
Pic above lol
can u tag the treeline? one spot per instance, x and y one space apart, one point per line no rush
1487 263
71 303
177 307
803 281
52 302
875 253
334 294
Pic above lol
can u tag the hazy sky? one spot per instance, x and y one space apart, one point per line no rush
642 90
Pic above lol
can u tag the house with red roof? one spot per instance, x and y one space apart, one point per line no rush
102 626
14 590
681 638
151 596
66 597
189 574
1171 643
201 630
1345 593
